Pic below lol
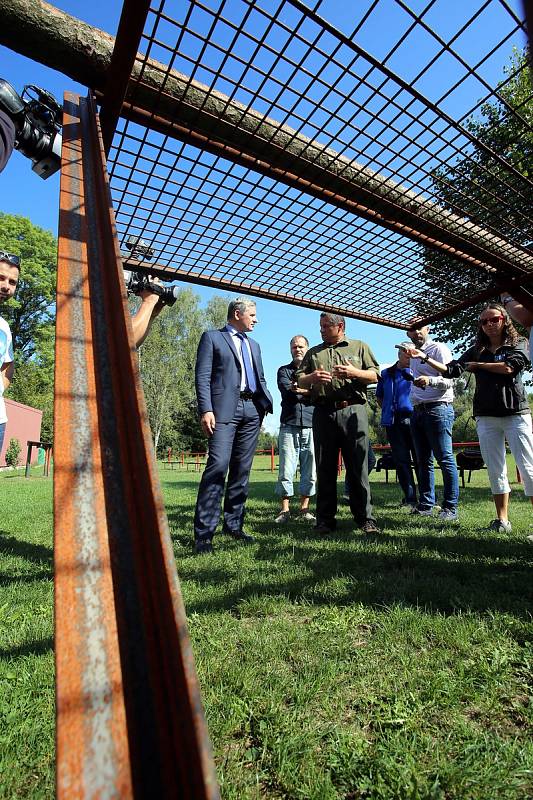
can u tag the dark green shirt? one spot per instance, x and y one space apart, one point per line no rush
326 356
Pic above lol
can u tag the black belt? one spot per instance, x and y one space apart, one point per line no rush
337 405
247 395
432 405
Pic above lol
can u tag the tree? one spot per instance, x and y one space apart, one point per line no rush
486 192
31 312
167 360
13 453
266 440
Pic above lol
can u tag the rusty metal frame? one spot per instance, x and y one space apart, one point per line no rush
130 28
274 138
129 717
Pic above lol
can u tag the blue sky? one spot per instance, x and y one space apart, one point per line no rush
26 194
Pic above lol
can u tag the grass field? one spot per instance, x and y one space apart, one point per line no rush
398 665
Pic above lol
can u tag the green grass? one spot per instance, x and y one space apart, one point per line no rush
392 666
26 638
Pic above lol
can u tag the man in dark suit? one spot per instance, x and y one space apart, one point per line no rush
232 400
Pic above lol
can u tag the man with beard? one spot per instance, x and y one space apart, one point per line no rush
9 276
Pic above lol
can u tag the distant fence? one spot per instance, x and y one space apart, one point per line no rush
196 461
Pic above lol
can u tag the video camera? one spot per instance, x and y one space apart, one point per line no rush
138 282
37 121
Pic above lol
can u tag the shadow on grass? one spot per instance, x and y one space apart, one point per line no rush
414 563
37 553
36 648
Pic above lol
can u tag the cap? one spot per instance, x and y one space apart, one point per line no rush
404 346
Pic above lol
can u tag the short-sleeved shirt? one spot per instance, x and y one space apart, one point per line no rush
440 389
326 356
6 356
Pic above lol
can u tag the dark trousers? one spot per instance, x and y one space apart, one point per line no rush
231 451
347 430
403 452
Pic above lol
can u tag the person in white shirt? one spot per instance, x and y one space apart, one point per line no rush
431 426
9 277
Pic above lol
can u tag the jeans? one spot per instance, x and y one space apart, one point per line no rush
431 429
401 443
295 445
2 433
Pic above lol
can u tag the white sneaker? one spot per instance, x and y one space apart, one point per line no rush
500 526
283 517
447 515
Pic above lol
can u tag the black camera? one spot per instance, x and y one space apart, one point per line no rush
37 119
137 282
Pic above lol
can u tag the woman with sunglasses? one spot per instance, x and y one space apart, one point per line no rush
501 410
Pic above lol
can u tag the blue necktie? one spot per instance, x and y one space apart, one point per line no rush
249 373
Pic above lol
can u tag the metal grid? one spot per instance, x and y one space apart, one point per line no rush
389 87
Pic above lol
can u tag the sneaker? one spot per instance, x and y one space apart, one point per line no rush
369 526
529 539
447 515
422 512
405 505
500 526
306 516
283 517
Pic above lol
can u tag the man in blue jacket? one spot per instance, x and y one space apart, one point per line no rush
232 400
392 394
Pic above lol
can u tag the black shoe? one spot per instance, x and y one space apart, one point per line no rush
203 546
241 536
324 529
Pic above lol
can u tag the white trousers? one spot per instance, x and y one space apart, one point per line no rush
492 433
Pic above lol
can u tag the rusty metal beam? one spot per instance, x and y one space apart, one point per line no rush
130 28
129 716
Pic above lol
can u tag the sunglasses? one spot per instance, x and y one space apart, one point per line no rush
10 258
491 319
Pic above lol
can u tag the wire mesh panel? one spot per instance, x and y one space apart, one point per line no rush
274 111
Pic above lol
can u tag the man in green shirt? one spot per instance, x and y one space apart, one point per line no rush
337 374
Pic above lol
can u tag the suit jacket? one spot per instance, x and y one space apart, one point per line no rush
218 376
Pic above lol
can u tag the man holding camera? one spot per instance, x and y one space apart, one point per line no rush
32 125
150 308
9 276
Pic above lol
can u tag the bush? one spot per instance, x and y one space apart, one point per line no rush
13 453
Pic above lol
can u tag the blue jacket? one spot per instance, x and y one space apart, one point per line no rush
218 376
394 388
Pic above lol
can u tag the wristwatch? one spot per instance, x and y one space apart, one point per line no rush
424 360
506 299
